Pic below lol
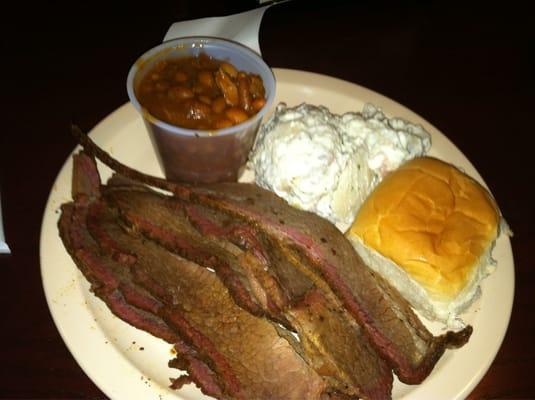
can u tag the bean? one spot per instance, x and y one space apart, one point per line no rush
181 76
160 66
243 91
205 78
205 62
181 93
229 69
218 105
229 89
200 89
205 99
146 88
258 103
161 86
221 123
236 114
256 87
197 110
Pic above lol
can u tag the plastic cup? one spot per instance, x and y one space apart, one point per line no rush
202 156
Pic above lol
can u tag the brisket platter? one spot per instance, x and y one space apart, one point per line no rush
260 300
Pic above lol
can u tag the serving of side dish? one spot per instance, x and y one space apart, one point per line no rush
202 100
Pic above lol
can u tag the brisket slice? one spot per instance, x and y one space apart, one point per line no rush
385 316
111 283
292 281
228 352
163 218
109 280
248 354
333 345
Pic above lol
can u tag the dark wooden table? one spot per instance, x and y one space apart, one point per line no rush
469 70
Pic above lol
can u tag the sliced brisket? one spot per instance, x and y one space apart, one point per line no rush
126 300
260 220
283 290
227 351
385 316
246 353
111 282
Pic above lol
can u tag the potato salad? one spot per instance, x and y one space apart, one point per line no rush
328 163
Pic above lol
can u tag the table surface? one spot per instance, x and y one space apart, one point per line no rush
469 71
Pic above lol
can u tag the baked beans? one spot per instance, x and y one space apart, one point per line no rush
200 92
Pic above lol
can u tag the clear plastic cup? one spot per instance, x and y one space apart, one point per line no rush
201 156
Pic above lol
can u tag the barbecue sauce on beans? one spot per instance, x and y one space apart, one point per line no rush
200 93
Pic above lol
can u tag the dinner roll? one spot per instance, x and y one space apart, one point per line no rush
429 229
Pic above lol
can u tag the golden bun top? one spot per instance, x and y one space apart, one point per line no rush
433 221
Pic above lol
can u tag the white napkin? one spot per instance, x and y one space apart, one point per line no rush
4 249
242 27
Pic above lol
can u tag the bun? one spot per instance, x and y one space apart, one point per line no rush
429 229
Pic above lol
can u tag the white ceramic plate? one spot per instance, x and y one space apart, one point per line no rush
126 363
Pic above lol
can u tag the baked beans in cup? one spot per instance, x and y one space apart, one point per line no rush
202 100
